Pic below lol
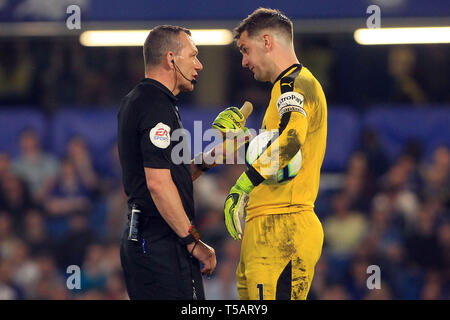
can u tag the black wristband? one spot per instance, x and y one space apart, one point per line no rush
193 236
187 240
254 175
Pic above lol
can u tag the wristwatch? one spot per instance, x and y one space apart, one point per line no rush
193 236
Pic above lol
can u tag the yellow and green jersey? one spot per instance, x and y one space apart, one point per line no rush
298 110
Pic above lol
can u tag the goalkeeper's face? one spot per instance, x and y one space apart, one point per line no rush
254 56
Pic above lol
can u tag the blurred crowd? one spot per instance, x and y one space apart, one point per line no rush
51 74
59 212
56 211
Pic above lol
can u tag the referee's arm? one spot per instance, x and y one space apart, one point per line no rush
216 156
168 202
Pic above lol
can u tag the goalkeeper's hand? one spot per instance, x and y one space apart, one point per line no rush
235 204
231 119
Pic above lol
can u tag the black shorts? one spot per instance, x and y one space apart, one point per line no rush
158 266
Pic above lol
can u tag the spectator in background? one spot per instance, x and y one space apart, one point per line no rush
34 166
405 87
16 73
71 248
111 188
69 194
357 281
359 184
14 197
370 146
322 277
79 155
51 284
422 242
335 291
34 232
25 272
110 171
8 290
383 229
115 287
117 205
433 287
436 176
344 229
384 293
5 164
94 275
7 235
397 187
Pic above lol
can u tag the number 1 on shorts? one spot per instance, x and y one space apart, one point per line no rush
260 287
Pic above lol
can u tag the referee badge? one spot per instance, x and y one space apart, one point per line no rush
160 135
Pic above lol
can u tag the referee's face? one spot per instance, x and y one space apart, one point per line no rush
253 57
188 63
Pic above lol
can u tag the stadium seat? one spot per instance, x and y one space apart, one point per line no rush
397 125
98 127
14 121
343 135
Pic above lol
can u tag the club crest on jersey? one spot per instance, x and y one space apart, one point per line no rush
290 101
160 135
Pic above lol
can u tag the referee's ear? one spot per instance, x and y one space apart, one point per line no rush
170 56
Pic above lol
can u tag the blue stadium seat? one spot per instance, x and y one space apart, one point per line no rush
396 125
13 121
97 126
344 127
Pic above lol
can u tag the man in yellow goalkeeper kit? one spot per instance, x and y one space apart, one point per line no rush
283 237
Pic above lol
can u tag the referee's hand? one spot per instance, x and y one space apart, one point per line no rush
206 255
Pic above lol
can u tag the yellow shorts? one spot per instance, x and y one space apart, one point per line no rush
278 256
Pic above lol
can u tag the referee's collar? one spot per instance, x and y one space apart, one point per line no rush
286 71
162 87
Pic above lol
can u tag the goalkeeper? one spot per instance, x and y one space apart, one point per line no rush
283 237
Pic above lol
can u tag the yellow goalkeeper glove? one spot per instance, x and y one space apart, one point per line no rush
229 119
235 204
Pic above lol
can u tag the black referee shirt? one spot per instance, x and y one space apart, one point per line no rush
147 118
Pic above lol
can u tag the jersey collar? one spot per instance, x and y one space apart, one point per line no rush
162 87
286 71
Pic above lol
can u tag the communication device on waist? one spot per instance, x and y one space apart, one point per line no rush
134 223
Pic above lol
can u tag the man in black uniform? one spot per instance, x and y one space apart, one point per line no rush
160 249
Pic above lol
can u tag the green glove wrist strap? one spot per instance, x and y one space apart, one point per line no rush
244 183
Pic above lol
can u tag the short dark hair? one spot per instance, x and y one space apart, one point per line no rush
160 40
264 18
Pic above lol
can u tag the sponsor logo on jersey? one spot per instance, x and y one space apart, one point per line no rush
160 135
290 102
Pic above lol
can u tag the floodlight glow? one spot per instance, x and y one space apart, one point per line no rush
419 35
112 38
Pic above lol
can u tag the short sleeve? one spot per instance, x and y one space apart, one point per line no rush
155 128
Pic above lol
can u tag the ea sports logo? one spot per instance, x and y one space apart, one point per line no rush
160 136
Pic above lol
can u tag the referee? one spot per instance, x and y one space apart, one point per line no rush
160 250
